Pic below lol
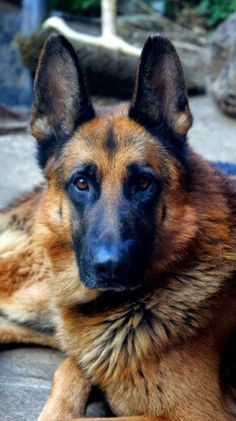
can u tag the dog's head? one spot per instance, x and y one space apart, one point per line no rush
114 201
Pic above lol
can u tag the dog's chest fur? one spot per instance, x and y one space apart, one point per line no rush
118 349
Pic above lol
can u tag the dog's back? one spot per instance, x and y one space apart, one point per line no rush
25 314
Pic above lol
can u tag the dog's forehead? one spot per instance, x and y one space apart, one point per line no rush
115 141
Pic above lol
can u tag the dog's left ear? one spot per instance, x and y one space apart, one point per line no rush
61 101
160 100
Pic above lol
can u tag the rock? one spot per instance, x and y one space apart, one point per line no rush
26 375
111 72
136 28
190 46
221 66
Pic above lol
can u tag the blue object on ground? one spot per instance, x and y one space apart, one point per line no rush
227 167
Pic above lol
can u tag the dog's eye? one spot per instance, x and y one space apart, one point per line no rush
143 183
81 183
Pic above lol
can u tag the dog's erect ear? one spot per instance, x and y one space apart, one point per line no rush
61 101
159 100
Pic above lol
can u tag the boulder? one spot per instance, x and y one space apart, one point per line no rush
112 72
221 66
26 375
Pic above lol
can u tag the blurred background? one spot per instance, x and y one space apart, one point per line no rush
108 36
190 24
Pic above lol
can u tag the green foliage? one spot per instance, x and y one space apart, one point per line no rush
174 7
74 6
215 10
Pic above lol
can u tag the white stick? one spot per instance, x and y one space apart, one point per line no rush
112 42
108 14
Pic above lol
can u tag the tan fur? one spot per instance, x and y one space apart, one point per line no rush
65 392
24 292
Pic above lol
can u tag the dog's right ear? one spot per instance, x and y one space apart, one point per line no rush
61 101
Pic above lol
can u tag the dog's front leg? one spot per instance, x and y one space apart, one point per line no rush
69 393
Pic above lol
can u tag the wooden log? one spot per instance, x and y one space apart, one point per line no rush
112 72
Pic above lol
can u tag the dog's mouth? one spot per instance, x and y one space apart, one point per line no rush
110 299
112 283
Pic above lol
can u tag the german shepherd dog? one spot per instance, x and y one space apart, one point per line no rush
128 251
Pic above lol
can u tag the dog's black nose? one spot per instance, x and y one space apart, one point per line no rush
110 262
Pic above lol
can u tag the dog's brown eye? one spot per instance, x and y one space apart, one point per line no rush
143 183
81 183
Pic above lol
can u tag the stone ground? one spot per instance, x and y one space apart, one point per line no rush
25 381
213 134
25 372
